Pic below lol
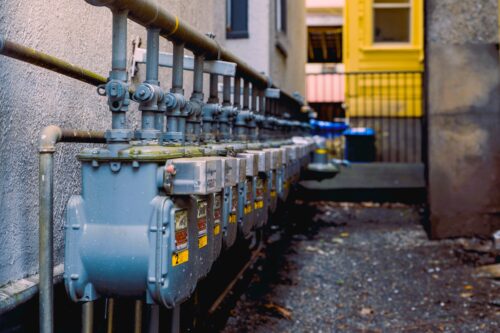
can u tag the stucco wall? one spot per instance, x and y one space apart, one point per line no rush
463 82
32 98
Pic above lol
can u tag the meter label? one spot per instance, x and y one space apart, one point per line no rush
201 215
180 257
181 229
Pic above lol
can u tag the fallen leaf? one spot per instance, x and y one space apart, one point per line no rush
366 312
344 234
466 295
285 313
468 287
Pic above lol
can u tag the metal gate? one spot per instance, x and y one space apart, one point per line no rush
389 102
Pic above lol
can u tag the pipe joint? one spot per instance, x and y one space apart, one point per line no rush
149 96
175 102
210 112
48 138
117 92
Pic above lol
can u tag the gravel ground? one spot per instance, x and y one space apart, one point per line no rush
366 268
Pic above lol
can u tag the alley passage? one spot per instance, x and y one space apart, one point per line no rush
368 268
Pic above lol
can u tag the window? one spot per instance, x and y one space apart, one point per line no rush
236 19
391 21
281 14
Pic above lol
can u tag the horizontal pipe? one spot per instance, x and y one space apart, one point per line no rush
37 58
149 13
21 291
31 56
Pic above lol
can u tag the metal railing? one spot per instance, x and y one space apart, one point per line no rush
390 102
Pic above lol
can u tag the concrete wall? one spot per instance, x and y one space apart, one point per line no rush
463 86
288 68
32 98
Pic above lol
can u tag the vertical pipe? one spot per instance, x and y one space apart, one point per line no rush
46 268
226 91
178 68
214 92
88 317
254 99
193 122
198 74
150 119
154 319
119 60
110 314
237 92
138 317
175 325
119 46
153 55
176 123
246 94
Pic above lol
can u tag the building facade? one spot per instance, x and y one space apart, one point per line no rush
271 36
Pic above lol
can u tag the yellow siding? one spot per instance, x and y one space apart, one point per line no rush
362 55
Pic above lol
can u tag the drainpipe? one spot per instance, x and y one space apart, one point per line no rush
49 137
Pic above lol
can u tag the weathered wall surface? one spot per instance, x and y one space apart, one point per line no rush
32 98
288 68
463 84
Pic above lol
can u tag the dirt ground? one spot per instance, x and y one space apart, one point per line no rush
367 268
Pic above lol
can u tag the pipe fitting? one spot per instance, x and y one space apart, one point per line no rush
175 101
48 138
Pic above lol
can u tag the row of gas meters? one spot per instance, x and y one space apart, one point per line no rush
151 220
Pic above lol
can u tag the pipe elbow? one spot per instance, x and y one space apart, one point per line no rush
48 138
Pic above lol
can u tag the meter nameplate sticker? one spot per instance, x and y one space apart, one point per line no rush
217 213
201 215
180 257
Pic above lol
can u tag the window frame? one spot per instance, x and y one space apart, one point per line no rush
408 5
236 34
281 20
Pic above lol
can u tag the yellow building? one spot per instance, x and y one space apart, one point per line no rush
383 55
